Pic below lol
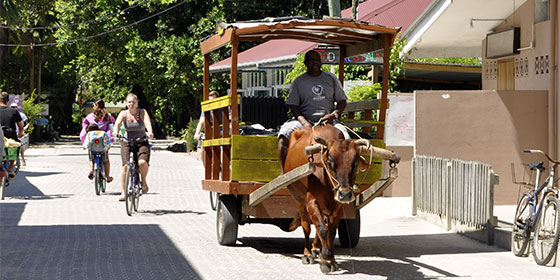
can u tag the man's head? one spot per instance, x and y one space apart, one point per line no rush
4 98
312 61
213 94
14 105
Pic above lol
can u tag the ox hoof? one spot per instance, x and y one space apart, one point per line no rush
315 252
307 259
328 266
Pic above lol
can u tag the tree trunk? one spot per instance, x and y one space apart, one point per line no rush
334 8
39 70
355 9
31 54
3 40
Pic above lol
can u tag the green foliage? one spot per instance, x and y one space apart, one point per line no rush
32 110
364 92
188 133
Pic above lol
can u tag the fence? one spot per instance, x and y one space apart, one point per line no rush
460 193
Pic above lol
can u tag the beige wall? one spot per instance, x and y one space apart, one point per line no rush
402 185
534 66
486 126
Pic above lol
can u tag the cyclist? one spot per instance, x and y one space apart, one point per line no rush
137 125
104 122
10 119
95 133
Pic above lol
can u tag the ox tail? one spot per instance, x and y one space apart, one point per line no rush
296 222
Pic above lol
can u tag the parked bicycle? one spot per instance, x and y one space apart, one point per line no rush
9 153
538 211
133 184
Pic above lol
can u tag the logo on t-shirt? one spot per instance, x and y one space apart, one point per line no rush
317 92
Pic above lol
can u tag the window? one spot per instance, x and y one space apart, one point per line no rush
542 8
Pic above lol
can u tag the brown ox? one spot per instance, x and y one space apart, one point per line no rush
319 198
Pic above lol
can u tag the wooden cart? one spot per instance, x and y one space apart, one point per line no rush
244 170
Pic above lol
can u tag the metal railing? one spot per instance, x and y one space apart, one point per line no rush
458 192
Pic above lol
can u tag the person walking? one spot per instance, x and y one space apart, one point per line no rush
25 138
10 121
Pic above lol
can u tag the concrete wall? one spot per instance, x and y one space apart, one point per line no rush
486 126
402 186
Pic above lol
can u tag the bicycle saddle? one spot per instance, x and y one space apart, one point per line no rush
538 165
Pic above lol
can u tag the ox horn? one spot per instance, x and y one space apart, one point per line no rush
362 142
321 141
313 149
381 153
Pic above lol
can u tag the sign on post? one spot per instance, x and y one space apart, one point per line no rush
331 55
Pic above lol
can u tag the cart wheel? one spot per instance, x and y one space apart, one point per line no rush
227 217
349 231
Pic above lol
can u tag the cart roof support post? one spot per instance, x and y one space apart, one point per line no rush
388 41
341 57
233 86
205 95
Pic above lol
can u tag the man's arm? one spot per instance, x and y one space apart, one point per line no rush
335 115
20 131
297 114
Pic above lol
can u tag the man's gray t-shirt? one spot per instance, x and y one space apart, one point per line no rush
315 96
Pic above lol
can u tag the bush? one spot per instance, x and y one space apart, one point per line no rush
31 110
187 134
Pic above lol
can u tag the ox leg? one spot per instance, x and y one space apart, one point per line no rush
307 257
328 263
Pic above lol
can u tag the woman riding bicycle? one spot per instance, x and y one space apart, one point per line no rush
104 121
137 125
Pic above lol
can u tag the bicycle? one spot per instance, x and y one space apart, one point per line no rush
530 216
5 164
98 153
133 184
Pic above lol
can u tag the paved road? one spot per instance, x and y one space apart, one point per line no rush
53 226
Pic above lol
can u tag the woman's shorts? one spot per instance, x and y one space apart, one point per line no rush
143 152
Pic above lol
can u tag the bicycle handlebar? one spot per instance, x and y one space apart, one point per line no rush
543 153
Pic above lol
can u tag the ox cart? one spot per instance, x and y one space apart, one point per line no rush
244 169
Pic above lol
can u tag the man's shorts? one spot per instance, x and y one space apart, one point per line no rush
288 127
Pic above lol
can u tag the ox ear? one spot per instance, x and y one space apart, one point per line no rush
363 165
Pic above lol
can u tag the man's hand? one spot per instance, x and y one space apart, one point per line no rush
328 118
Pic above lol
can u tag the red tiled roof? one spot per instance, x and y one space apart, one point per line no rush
393 13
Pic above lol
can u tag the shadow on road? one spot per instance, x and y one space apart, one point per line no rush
87 251
21 188
392 255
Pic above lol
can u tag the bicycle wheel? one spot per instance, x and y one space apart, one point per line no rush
103 185
213 200
3 186
137 192
521 226
97 179
129 190
547 231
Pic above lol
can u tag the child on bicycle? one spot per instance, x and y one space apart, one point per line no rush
93 134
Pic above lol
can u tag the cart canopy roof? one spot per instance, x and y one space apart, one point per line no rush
355 36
